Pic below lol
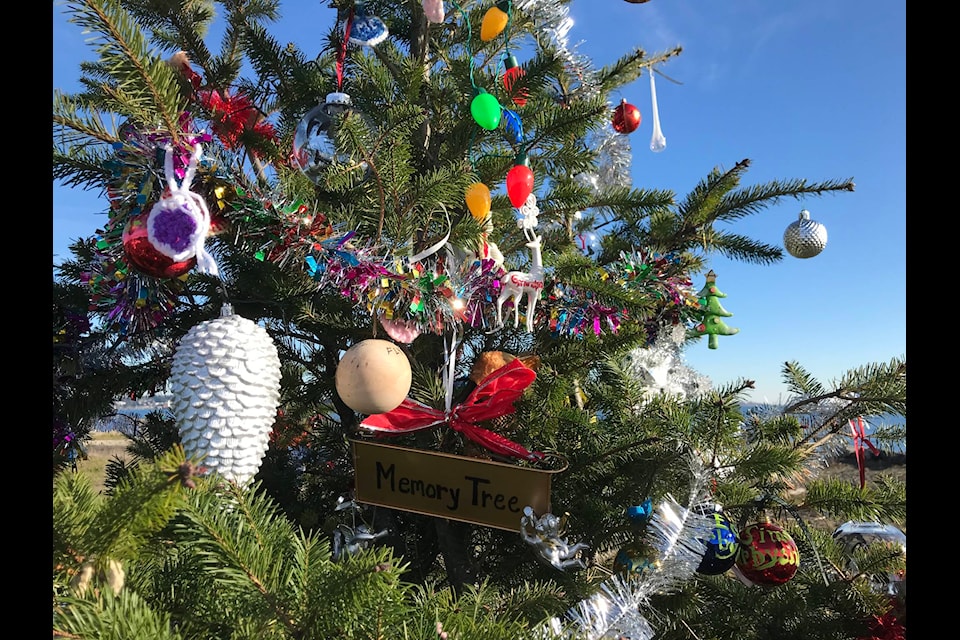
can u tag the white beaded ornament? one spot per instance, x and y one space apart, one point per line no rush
225 383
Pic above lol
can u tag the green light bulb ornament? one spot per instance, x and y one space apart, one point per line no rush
485 109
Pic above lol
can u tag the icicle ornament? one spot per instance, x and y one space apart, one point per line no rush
658 142
179 222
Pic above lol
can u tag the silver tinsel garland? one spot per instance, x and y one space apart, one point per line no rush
678 535
613 149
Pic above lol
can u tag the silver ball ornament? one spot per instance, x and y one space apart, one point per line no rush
225 382
805 238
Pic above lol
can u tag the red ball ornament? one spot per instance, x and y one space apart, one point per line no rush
519 181
626 117
768 556
144 257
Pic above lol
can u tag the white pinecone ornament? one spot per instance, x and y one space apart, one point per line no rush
225 384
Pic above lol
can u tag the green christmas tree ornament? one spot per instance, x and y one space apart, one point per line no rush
713 313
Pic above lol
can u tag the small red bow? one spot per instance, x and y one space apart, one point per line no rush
493 397
232 115
859 439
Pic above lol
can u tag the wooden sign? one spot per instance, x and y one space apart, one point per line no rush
448 486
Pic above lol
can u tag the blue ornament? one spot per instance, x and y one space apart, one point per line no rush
722 546
511 121
366 29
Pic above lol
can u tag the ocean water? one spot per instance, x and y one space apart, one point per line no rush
140 409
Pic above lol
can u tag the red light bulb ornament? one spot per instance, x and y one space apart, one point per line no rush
495 20
520 181
513 72
485 109
626 117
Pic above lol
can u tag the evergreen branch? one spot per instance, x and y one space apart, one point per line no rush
155 97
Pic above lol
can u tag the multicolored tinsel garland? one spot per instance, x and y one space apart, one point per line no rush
436 293
131 300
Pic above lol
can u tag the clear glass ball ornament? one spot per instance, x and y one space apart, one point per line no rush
313 141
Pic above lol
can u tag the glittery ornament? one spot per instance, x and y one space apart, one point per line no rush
638 554
626 117
144 257
225 381
722 546
373 376
313 140
768 555
805 238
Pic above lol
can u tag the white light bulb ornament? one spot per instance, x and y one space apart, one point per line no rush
225 382
805 238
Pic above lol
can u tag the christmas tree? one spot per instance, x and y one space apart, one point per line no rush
713 313
405 403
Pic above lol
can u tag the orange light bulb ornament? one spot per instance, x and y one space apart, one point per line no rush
520 181
478 201
495 20
513 72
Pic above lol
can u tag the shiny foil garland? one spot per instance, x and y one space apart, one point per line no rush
613 150
677 534
444 289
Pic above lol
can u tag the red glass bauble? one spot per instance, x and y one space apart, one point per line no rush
768 555
144 257
519 184
626 118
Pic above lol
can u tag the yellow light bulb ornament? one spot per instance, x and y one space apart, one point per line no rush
495 20
478 200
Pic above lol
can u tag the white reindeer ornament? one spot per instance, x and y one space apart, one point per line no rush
517 283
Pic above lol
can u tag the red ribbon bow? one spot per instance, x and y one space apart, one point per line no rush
859 439
493 397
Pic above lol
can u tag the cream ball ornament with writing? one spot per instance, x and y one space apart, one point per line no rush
373 376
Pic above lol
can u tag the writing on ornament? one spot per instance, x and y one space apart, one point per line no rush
521 281
726 546
449 496
778 549
449 486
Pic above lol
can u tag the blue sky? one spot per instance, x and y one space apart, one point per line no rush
813 90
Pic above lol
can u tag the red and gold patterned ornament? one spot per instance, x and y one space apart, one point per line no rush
768 555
